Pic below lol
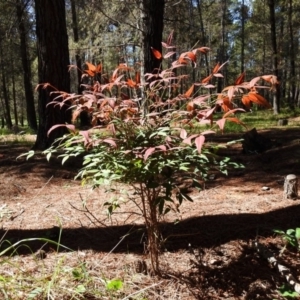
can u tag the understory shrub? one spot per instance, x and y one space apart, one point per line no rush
142 130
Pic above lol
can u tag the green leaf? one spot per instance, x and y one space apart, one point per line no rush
187 197
290 232
80 289
77 273
297 233
179 198
36 292
286 291
115 284
27 154
65 159
166 210
48 156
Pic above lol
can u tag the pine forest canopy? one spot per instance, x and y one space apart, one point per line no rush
255 37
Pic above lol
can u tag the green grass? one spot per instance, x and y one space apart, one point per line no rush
17 136
65 275
259 119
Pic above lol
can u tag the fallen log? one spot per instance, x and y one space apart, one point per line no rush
283 270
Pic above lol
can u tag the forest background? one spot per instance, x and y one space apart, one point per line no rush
256 37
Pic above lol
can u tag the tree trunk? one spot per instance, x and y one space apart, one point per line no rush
6 104
152 29
30 107
53 61
276 102
14 96
292 56
203 36
76 39
243 19
221 52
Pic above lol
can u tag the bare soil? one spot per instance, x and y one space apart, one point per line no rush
209 248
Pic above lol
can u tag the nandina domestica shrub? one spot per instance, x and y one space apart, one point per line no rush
140 131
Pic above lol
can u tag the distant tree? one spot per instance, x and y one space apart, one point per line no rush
152 15
30 107
4 88
53 61
276 94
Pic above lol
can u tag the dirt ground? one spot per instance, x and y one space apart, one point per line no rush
209 250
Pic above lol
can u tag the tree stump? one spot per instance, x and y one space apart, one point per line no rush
290 188
282 122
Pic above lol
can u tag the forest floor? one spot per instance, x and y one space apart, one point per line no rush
209 250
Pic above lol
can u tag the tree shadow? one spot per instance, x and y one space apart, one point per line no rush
203 232
232 267
237 274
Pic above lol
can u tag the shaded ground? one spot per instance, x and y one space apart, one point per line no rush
209 251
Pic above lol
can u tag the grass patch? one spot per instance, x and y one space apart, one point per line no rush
69 275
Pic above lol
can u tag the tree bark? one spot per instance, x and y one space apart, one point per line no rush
30 107
6 104
13 81
152 29
53 61
276 95
76 40
203 35
292 55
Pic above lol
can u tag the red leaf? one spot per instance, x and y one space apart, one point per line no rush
237 121
246 101
221 123
210 112
270 78
188 140
70 127
86 136
226 104
253 82
148 152
199 141
233 111
208 132
111 142
112 128
183 134
168 54
191 56
206 79
131 83
156 53
203 49
240 79
170 38
99 68
258 99
216 68
138 77
162 147
91 67
91 73
218 75
190 106
189 92
75 115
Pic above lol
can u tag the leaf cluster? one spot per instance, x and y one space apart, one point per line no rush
140 124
